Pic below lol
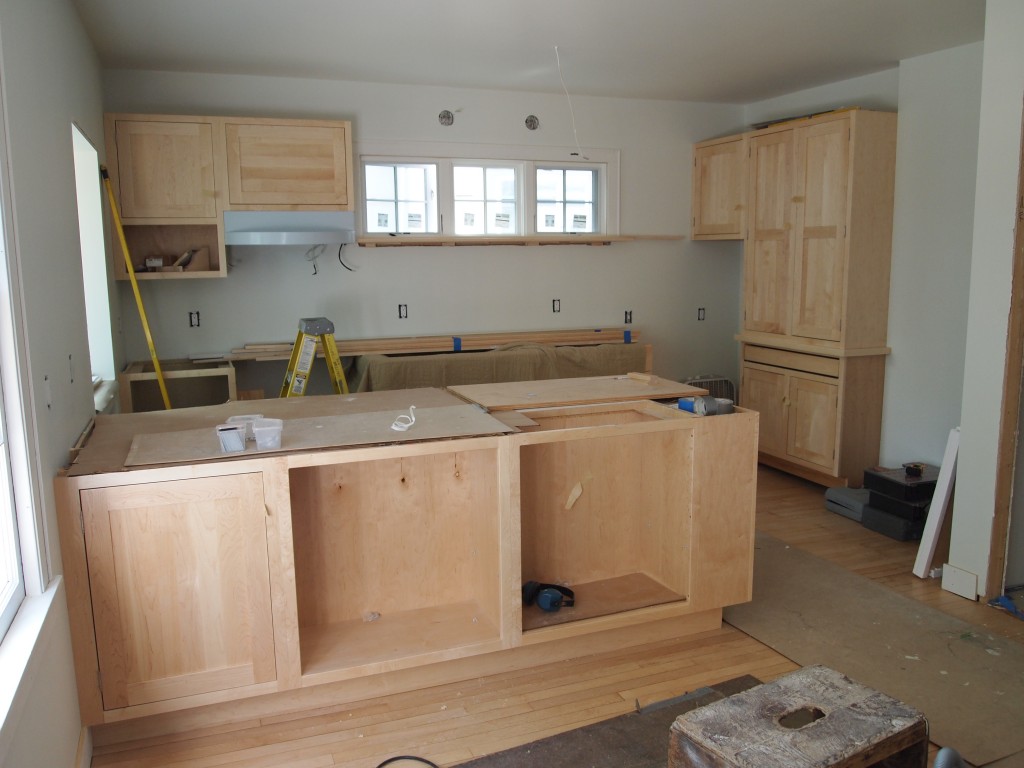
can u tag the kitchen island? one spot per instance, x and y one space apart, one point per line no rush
355 559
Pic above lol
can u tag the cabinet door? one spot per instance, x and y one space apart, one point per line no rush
766 279
764 391
813 416
179 577
822 178
719 181
270 164
165 169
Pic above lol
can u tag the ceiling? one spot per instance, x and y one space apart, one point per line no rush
735 51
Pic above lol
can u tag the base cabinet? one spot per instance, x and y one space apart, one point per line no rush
180 587
820 416
203 584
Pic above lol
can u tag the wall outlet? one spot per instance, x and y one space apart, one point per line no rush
629 317
700 313
193 319
403 311
556 305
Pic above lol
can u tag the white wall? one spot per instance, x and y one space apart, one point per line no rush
51 78
939 101
879 90
1002 98
465 289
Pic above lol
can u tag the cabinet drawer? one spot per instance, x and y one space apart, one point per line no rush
797 361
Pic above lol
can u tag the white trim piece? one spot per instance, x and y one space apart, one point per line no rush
939 505
960 582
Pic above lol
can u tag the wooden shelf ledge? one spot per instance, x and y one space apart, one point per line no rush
398 241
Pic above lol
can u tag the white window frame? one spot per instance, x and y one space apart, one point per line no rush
527 159
19 449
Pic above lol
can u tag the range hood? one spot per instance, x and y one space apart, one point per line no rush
283 228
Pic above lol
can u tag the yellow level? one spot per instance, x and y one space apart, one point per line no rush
135 288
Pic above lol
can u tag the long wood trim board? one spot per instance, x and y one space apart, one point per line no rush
585 390
316 432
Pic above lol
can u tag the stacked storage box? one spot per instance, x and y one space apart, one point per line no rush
898 499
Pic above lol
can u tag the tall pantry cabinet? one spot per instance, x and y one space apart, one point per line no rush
819 199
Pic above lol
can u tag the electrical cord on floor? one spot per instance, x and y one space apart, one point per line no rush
408 757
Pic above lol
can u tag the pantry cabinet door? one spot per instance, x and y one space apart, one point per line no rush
180 585
819 274
767 252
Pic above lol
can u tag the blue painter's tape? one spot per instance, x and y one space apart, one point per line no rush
456 343
627 337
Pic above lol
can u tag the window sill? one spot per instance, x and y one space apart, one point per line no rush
396 241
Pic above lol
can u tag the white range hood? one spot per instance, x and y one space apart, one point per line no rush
283 228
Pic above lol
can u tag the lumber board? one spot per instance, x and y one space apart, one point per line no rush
513 395
400 345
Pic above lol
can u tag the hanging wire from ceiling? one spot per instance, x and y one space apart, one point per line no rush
572 112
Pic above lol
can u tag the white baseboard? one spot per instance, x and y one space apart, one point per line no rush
960 582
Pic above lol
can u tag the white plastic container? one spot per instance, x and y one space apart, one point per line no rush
232 437
267 433
247 420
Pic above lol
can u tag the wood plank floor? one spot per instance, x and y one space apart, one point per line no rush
453 723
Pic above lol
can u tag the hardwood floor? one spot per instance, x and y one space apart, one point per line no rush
453 723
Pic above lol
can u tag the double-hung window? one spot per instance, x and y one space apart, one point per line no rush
486 199
567 199
401 197
413 189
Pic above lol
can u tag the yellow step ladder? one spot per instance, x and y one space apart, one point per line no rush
311 330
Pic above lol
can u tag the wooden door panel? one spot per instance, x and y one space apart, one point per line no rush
764 391
769 234
165 169
180 583
813 414
719 181
287 165
822 179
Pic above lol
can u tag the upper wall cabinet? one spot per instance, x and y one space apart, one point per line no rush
816 272
165 169
719 188
289 163
174 176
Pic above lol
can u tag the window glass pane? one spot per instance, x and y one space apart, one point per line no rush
549 184
501 184
412 183
412 217
469 218
501 219
579 217
468 182
549 217
380 217
579 186
380 182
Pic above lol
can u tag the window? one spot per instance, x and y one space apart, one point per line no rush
486 200
401 198
566 200
12 583
494 191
